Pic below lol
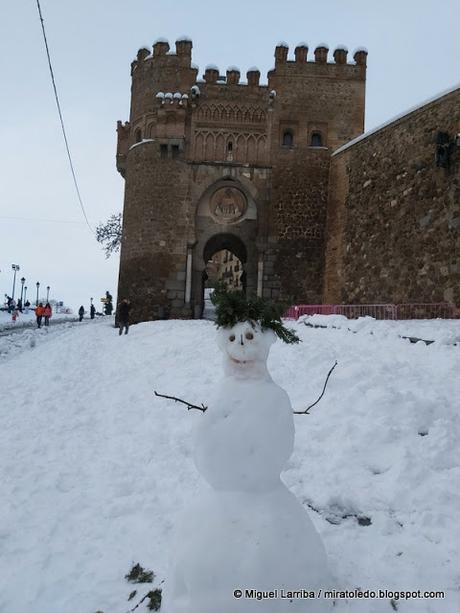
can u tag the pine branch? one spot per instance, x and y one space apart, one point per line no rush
322 394
234 306
189 405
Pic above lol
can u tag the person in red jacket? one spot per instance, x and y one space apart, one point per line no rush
39 314
47 312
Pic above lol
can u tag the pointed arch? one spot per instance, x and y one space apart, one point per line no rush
252 149
209 147
220 147
199 146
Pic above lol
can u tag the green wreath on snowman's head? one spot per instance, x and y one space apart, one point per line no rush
234 306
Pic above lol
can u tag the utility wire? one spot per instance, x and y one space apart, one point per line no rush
61 119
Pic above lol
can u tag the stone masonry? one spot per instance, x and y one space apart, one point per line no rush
393 230
215 163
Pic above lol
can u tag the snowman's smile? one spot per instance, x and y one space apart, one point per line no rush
240 361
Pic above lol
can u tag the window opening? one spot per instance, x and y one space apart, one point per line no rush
316 139
288 138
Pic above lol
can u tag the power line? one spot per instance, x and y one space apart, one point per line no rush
61 118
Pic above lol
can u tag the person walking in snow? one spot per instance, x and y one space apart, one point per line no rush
92 311
39 309
108 306
123 315
81 312
47 312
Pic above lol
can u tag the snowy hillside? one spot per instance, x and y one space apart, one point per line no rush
94 468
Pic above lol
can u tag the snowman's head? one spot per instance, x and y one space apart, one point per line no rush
245 344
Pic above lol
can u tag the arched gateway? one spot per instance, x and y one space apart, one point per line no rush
226 220
207 164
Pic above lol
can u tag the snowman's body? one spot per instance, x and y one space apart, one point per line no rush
247 531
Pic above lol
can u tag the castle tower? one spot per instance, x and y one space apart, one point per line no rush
219 163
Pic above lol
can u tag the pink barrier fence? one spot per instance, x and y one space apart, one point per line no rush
441 310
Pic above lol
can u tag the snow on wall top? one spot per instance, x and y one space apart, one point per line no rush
341 48
283 43
184 39
253 69
142 142
211 67
161 40
396 118
322 46
360 50
302 44
233 69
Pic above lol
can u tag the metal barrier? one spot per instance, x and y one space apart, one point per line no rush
442 310
423 310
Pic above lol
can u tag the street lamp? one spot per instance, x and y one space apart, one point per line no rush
22 290
47 293
38 286
15 267
25 294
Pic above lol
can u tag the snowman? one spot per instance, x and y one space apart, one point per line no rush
246 535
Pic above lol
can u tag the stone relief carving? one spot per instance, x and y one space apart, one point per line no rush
228 205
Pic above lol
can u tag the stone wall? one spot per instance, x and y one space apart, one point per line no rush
393 229
186 138
155 229
294 268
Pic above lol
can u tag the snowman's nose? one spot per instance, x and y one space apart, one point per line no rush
241 340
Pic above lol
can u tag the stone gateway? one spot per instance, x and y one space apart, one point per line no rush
216 164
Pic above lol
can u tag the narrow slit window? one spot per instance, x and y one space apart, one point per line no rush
163 151
175 151
138 135
316 139
288 138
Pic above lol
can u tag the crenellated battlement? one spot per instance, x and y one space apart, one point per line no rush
215 153
320 55
161 57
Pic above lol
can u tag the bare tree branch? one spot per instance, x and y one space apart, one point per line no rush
109 234
322 394
188 404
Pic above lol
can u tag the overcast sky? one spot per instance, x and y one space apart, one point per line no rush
414 52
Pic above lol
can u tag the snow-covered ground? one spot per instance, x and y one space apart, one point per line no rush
441 330
29 319
94 468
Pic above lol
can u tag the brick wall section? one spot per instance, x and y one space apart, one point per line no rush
298 216
154 245
393 216
203 133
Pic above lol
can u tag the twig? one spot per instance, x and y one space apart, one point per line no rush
188 404
140 602
322 394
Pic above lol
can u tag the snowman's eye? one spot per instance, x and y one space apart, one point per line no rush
231 338
249 336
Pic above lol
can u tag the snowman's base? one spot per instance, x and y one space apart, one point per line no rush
253 542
